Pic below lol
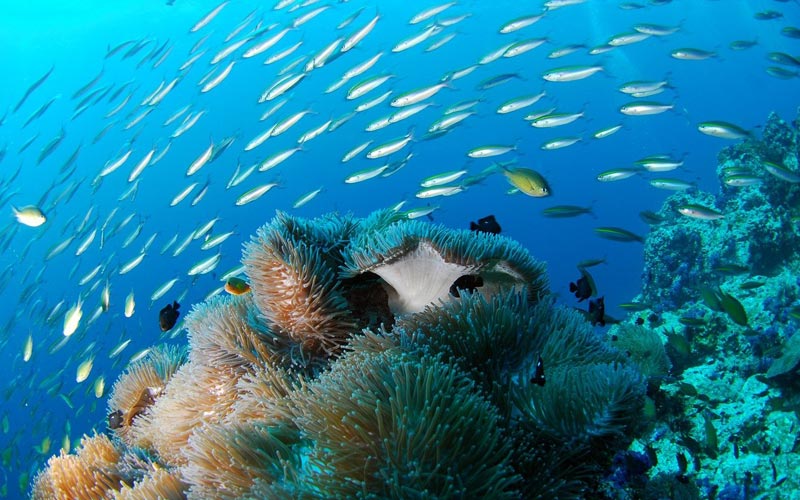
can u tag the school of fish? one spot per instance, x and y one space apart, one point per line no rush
378 116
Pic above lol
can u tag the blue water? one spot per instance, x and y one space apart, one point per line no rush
73 37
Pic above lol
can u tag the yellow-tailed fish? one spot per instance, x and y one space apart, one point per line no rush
119 348
306 198
254 194
163 289
99 387
27 351
30 216
72 318
528 181
130 305
84 369
205 265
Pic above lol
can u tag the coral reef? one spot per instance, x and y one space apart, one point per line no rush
726 299
405 360
757 232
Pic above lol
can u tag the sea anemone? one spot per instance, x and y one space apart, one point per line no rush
224 332
196 395
380 358
136 390
644 348
263 393
399 426
91 473
489 339
586 406
423 264
550 469
223 462
292 266
160 484
502 338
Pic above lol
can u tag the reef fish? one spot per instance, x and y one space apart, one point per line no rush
564 211
528 181
168 316
733 308
584 287
617 234
597 311
700 212
538 374
29 216
487 224
236 286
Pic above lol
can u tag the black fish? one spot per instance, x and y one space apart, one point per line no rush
538 375
168 316
582 289
115 419
597 312
468 282
486 225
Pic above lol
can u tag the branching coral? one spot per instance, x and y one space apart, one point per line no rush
422 264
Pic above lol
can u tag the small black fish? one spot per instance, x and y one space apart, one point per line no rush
486 225
468 282
683 466
115 420
597 312
639 321
582 288
168 316
538 375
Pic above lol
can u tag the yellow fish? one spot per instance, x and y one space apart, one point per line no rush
84 369
99 387
28 351
528 181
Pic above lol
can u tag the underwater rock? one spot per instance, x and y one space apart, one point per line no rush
757 230
789 360
726 292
